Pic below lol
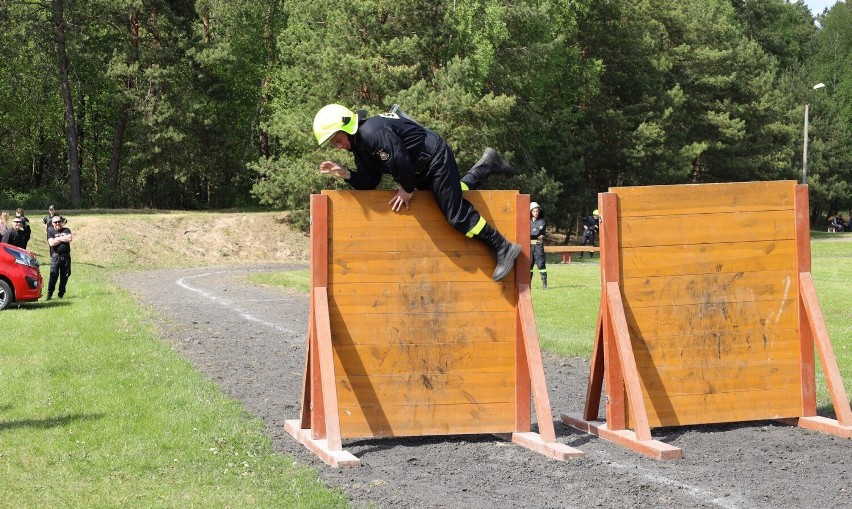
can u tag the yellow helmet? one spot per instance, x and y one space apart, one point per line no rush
333 118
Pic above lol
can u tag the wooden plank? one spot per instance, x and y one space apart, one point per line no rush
450 388
422 329
523 377
596 370
555 450
422 297
413 238
616 401
319 241
393 267
728 376
523 385
571 249
535 365
326 369
627 362
320 447
653 449
803 249
708 347
319 279
828 361
712 317
755 405
424 359
823 425
717 287
708 258
730 226
418 420
704 198
495 205
307 386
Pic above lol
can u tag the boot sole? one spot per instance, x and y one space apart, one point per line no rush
499 165
515 250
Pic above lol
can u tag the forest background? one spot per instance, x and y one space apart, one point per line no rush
208 104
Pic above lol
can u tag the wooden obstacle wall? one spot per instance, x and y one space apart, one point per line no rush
409 336
424 340
703 314
709 283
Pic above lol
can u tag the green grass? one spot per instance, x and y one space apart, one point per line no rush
298 280
567 312
96 411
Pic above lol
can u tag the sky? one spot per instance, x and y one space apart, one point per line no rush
817 6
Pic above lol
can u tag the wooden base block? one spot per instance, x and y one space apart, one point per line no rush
320 447
534 442
821 424
626 438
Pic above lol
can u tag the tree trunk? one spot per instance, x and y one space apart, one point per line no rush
115 158
70 124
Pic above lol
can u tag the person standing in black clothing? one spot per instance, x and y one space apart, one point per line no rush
25 224
59 238
590 228
16 235
538 228
416 158
48 219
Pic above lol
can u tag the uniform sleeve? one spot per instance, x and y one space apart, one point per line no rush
365 177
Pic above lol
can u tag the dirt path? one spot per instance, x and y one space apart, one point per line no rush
250 340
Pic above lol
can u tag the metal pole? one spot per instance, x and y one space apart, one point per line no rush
805 150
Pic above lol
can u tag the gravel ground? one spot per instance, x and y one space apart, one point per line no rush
251 341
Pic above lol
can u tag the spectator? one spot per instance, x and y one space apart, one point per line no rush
837 224
51 211
25 224
4 223
59 239
590 228
16 234
416 158
538 228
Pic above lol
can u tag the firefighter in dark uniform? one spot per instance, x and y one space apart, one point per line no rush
416 158
537 230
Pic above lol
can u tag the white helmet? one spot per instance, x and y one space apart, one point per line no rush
534 205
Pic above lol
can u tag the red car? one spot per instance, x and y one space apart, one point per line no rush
20 279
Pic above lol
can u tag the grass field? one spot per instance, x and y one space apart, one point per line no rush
96 411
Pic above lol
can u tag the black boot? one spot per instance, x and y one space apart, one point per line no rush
544 280
490 162
504 251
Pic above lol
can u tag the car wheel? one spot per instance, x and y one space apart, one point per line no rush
5 295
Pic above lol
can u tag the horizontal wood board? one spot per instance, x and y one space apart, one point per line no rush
710 288
423 339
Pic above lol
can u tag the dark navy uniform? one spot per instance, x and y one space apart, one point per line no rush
416 158
538 227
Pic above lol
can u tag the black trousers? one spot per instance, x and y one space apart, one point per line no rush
442 178
60 268
537 258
